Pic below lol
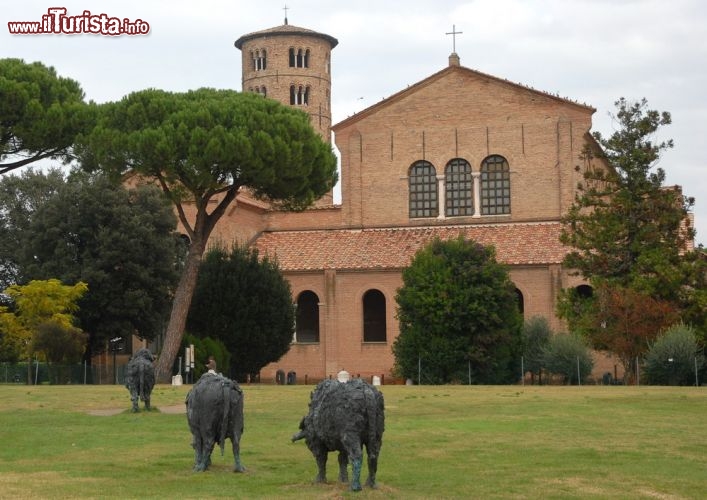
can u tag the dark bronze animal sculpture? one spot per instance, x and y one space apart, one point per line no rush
344 417
214 413
140 378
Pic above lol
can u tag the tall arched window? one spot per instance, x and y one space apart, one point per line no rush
292 57
458 188
495 186
422 184
520 301
374 329
307 318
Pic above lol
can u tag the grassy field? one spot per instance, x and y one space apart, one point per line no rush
440 442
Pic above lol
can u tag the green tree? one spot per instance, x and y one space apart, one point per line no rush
20 197
621 321
203 348
674 357
536 335
569 356
60 343
40 114
245 302
205 146
34 304
626 230
625 226
457 310
121 242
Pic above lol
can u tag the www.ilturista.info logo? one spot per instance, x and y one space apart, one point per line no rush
55 21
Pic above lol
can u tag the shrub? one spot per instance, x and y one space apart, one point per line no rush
674 357
567 355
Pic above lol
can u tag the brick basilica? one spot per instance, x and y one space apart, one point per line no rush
459 152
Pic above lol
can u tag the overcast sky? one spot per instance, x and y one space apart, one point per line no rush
591 51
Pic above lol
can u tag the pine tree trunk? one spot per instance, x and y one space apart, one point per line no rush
180 309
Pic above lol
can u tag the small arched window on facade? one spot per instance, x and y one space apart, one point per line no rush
422 186
374 328
495 186
520 301
458 188
307 318
262 91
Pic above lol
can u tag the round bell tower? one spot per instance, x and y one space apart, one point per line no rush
293 66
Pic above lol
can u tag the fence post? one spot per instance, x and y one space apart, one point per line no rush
419 370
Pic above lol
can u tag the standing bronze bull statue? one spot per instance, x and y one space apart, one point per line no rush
214 413
345 417
140 378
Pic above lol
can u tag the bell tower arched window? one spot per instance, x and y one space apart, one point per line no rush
259 59
299 95
298 58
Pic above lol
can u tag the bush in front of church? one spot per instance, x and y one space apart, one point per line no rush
459 318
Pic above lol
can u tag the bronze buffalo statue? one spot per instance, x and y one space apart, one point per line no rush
214 413
140 378
345 417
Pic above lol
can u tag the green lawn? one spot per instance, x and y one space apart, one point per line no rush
440 442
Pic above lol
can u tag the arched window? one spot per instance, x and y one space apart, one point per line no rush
458 188
495 186
374 329
307 318
259 59
299 95
520 301
422 184
585 291
298 58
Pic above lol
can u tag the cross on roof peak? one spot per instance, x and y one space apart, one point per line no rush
285 8
454 34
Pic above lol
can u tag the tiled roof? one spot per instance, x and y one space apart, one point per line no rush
285 30
394 248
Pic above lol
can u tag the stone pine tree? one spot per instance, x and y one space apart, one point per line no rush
245 302
202 147
626 230
458 316
41 114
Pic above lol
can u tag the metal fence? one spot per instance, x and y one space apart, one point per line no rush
36 373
